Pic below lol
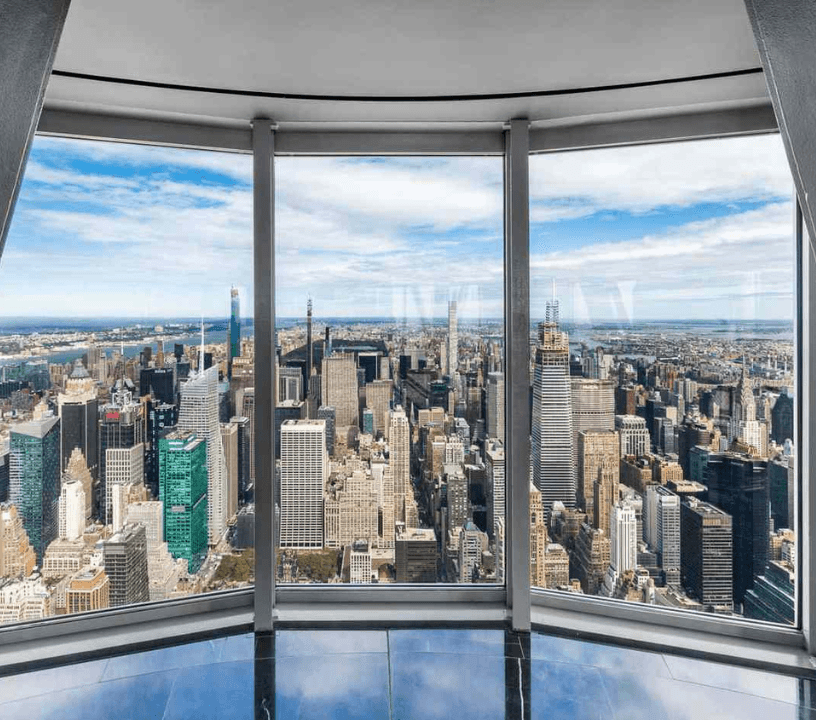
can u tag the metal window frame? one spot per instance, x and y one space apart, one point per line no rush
152 623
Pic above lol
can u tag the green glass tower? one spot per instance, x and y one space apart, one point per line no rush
34 484
183 492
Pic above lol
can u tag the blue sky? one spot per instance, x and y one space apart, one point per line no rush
683 230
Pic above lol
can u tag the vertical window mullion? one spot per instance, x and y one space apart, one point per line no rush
263 193
517 329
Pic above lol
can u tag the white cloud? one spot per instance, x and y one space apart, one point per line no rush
641 178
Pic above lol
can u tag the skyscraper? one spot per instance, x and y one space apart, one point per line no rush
593 405
183 493
34 484
304 471
495 405
123 466
125 559
494 461
234 327
705 553
339 388
634 435
595 448
400 460
160 418
552 436
78 417
453 341
122 424
623 538
661 528
379 394
198 413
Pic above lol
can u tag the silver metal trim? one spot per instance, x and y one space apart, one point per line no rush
667 617
122 617
93 126
517 348
388 595
263 196
474 142
668 128
782 658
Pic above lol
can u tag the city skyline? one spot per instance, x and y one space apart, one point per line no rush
718 210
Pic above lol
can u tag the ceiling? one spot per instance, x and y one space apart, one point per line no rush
386 61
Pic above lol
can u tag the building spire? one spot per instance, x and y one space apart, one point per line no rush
201 352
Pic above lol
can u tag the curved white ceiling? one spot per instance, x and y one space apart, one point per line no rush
378 49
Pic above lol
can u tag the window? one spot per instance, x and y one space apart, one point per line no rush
390 410
662 374
126 461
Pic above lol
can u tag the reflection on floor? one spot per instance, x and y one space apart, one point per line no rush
402 674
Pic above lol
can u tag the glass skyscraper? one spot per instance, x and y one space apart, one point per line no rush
34 485
234 326
183 493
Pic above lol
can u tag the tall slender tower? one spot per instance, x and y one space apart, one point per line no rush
198 413
234 328
553 472
400 460
453 340
308 348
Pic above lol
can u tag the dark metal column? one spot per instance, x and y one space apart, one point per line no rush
29 34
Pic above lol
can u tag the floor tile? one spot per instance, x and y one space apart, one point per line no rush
134 698
166 658
567 690
23 685
437 686
729 677
548 647
636 697
221 691
340 687
456 641
300 643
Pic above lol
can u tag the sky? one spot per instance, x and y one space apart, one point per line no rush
691 230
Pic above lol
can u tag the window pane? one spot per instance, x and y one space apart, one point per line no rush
125 474
662 294
389 415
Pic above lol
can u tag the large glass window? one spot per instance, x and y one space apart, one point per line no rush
126 462
389 414
662 376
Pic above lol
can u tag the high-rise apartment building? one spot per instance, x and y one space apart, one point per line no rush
400 460
122 424
72 520
229 441
593 405
661 529
304 470
123 466
634 435
495 405
78 414
552 436
198 413
623 538
593 449
17 557
183 489
125 561
34 483
339 388
234 337
452 347
706 546
379 395
494 462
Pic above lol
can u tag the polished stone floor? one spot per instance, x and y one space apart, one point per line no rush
402 674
